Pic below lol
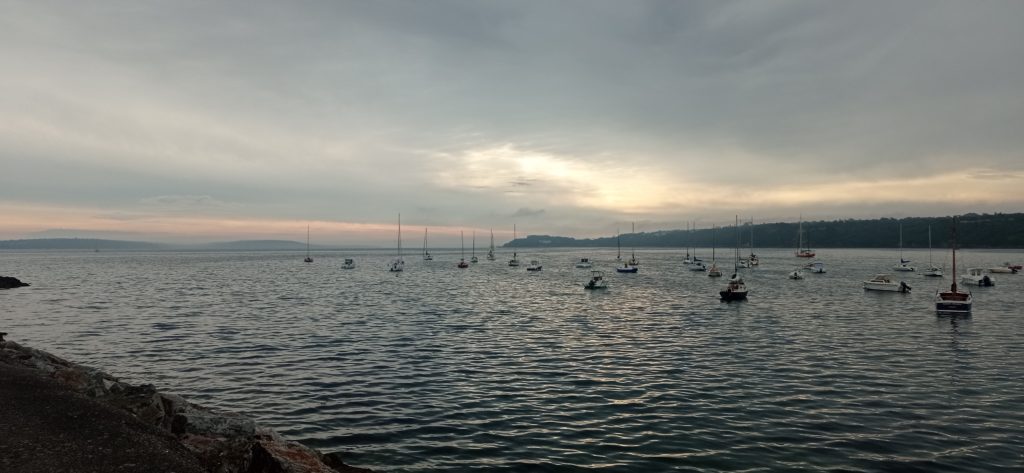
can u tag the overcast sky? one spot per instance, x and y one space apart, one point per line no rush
215 120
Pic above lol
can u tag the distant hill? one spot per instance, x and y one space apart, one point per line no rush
78 244
975 231
255 245
92 244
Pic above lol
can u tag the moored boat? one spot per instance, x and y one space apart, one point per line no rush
534 266
954 301
977 277
735 289
596 281
886 283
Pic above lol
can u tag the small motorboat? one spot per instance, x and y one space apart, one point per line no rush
697 265
818 267
462 264
714 272
596 281
584 263
397 265
1018 267
626 268
534 266
1002 270
977 277
932 272
743 264
795 274
349 263
885 282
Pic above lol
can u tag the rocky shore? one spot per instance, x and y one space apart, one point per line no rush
59 416
7 282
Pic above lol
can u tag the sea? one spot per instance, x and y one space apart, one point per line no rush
496 368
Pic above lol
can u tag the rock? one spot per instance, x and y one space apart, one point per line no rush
222 442
7 282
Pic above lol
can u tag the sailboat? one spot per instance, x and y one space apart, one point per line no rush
490 251
618 244
462 261
954 301
752 261
802 252
515 260
735 289
932 270
696 264
713 271
426 254
474 259
904 265
688 236
398 264
307 259
632 260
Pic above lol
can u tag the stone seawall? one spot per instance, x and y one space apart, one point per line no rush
221 442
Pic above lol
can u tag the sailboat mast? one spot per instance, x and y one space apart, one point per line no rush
399 235
736 258
632 232
462 239
714 237
930 265
307 241
901 243
953 287
474 242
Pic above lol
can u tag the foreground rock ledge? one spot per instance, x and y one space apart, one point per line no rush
220 442
7 282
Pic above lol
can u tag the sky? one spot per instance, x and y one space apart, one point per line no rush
188 121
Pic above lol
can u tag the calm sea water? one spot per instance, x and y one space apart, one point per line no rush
495 368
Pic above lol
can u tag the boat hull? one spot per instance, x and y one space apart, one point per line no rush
631 269
885 287
729 296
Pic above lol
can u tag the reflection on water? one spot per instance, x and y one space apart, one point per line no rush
440 368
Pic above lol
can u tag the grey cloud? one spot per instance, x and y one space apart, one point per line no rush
332 109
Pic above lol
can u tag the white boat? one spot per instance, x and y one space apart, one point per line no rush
954 301
514 262
752 260
713 271
348 264
802 252
744 264
689 236
795 274
584 263
695 264
904 265
462 261
490 251
474 259
977 277
534 266
885 282
596 281
735 289
1002 270
818 267
632 259
426 254
932 270
398 264
307 259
